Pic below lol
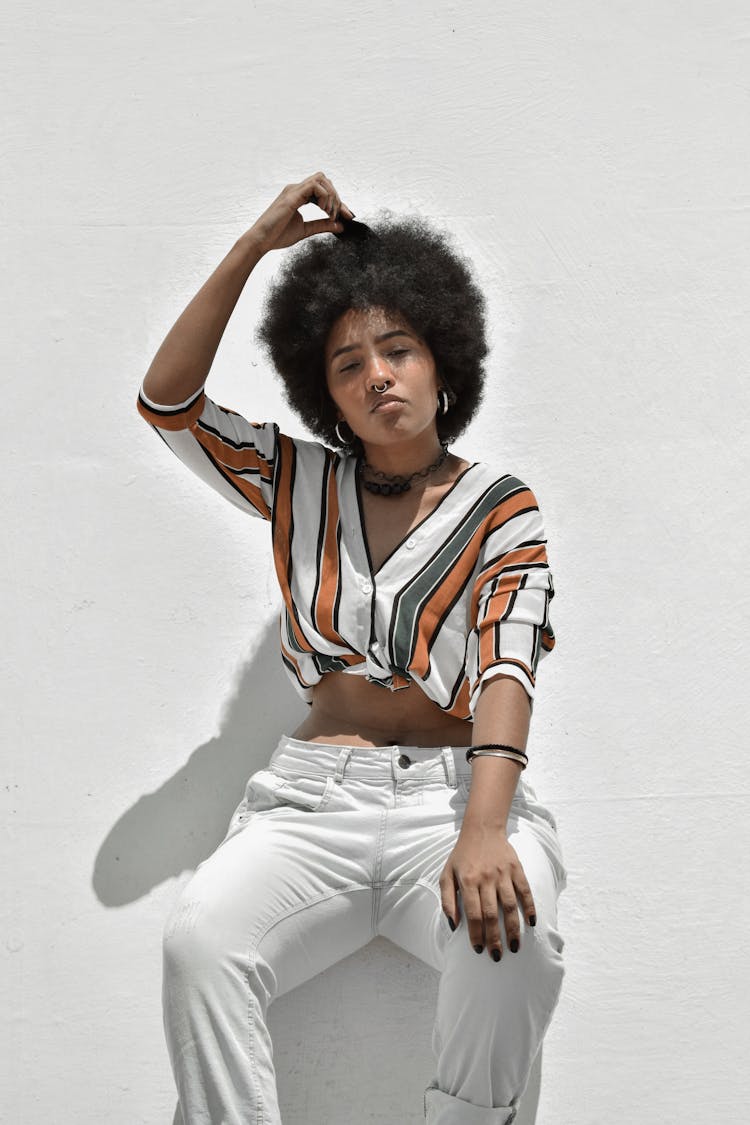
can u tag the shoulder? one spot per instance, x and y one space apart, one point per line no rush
500 482
305 461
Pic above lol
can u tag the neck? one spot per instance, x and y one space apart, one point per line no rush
403 458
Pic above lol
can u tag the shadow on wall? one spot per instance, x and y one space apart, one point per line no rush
369 1016
172 829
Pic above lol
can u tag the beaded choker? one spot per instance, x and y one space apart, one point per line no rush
393 483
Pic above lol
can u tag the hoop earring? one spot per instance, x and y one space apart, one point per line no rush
443 401
342 440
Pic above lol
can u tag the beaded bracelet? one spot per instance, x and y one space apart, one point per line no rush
497 750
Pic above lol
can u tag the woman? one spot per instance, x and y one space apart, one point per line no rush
416 591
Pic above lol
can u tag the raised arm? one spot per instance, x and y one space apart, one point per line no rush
236 457
182 363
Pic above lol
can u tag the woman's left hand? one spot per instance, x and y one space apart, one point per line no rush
485 868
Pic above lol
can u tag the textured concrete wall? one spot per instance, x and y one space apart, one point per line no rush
592 159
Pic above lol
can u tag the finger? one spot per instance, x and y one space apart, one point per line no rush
492 936
320 226
336 199
524 891
448 901
318 192
510 915
321 199
474 918
333 196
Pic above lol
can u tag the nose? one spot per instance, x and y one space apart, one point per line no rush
378 371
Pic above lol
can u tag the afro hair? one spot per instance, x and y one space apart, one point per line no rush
400 264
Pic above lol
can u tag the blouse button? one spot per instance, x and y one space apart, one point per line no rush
366 587
410 543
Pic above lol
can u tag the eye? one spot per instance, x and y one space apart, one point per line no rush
393 351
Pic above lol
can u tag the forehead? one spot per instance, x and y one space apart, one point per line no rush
356 325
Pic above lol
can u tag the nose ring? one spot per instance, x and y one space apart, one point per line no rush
381 389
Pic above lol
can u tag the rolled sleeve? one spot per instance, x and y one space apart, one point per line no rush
235 457
513 588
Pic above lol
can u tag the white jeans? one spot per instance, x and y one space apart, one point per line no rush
330 847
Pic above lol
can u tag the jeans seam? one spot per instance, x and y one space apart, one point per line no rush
305 906
377 883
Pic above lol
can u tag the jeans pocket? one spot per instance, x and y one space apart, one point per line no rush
261 791
311 792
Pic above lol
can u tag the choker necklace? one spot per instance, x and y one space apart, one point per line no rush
397 483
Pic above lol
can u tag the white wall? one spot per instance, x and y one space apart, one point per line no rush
592 159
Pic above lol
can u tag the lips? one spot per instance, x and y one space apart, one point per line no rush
385 398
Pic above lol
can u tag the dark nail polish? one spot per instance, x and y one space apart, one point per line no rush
478 948
451 923
514 945
532 919
496 954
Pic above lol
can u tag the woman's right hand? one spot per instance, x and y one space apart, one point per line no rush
282 225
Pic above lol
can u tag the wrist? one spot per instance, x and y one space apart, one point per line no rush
250 244
484 820
493 786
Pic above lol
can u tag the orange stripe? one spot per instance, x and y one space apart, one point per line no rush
434 609
236 459
487 629
230 461
179 421
329 571
282 524
521 556
461 708
498 664
292 660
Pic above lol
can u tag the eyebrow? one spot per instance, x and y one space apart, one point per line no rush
385 336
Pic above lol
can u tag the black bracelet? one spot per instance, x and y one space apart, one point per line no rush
497 746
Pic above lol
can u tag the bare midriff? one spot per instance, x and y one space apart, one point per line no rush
349 710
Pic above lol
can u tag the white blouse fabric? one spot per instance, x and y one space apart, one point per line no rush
464 597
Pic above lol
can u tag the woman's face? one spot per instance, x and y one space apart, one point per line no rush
367 348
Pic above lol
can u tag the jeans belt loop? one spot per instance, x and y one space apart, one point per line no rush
341 763
450 766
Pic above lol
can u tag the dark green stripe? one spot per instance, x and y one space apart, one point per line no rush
407 606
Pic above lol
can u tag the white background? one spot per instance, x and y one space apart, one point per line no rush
592 160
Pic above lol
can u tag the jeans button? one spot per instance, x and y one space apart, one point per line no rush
404 761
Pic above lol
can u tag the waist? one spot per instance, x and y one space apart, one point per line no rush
405 765
349 710
303 757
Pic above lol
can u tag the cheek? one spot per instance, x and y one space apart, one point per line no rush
330 397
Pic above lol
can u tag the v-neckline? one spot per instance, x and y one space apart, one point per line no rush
363 530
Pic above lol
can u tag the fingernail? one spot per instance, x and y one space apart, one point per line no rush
478 948
514 945
532 919
451 923
496 954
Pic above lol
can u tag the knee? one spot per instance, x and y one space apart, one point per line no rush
546 947
533 975
192 938
205 947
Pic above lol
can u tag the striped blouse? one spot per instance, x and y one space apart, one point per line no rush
463 597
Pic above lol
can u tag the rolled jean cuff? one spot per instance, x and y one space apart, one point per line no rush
445 1109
